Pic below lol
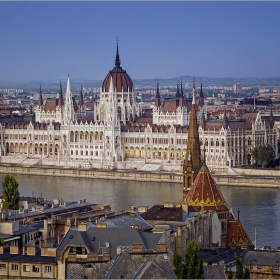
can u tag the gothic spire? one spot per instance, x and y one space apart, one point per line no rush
193 93
225 120
117 60
40 98
201 97
192 162
181 89
68 112
181 95
271 118
203 121
60 98
157 100
81 98
177 91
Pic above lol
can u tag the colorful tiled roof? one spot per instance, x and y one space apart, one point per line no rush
237 236
205 189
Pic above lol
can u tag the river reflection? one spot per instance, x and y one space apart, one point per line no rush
259 207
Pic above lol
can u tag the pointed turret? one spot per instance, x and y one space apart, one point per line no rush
177 91
40 98
157 100
203 120
181 95
68 112
271 118
225 120
81 98
60 98
192 162
201 98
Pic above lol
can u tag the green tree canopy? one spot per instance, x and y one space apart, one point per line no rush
192 266
239 269
263 154
10 193
240 272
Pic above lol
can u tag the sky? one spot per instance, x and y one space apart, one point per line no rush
48 40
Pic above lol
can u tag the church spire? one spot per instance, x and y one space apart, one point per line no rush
181 95
68 112
201 97
203 120
271 118
157 101
117 60
177 91
192 162
60 98
81 98
40 99
225 120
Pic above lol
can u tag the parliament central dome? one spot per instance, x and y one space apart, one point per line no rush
121 80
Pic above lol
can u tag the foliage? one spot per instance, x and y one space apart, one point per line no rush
178 266
10 193
240 273
246 274
230 274
192 266
263 154
239 269
2 242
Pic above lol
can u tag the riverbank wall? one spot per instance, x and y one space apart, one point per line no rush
244 177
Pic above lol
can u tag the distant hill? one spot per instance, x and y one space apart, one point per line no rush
207 81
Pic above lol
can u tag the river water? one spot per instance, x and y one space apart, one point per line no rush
259 207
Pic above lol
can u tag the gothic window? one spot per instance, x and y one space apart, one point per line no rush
206 142
212 142
217 143
223 142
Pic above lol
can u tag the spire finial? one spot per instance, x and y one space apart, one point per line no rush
238 212
117 60
193 92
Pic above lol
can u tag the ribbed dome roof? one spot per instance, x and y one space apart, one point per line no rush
121 80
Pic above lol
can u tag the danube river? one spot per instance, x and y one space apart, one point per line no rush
259 207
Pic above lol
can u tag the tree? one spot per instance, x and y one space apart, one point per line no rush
178 266
10 193
230 274
239 269
240 273
192 266
246 274
263 154
2 242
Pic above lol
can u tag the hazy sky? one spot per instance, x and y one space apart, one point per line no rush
48 40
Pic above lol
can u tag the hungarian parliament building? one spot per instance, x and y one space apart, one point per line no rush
123 135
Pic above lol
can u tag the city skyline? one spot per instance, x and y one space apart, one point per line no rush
48 40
